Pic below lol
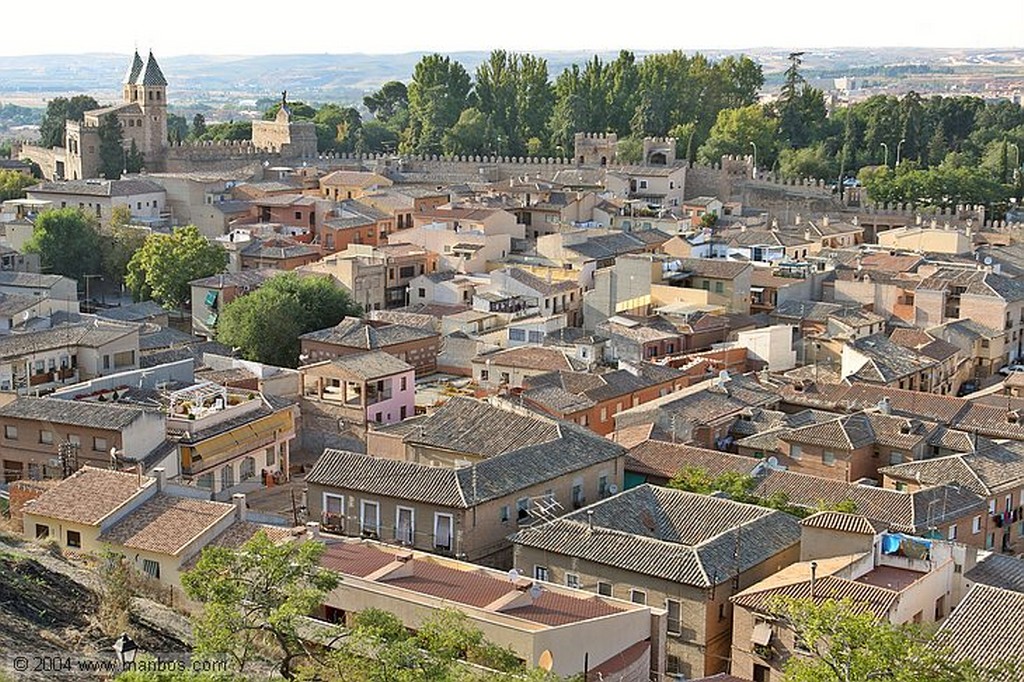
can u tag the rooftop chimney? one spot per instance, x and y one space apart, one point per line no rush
590 519
161 478
239 501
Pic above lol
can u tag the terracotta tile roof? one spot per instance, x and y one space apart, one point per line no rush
561 609
544 358
845 523
865 597
999 570
88 495
985 628
465 587
665 460
668 534
165 524
355 558
343 178
992 468
911 512
353 332
239 533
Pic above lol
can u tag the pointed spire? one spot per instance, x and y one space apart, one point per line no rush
151 75
134 70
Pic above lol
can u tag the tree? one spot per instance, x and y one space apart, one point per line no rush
166 263
232 130
375 137
113 158
13 184
298 111
198 126
735 129
850 644
257 598
266 323
472 134
389 101
801 108
438 93
119 244
58 111
177 128
337 128
67 243
807 162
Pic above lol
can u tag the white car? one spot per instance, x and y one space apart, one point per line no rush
1012 369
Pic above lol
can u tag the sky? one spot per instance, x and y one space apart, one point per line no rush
338 26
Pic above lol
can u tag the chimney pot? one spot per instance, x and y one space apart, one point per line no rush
239 501
161 478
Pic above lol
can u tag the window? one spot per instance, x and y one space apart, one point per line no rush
333 511
719 288
504 513
422 292
602 485
46 437
990 541
11 432
795 452
271 456
151 568
578 500
405 529
485 375
369 518
99 444
828 458
572 580
42 531
205 481
976 525
951 534
298 215
721 612
643 184
522 509
895 457
604 414
638 596
443 532
604 589
74 539
673 664
517 334
992 506
403 383
675 625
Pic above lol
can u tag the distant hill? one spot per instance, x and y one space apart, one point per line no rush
215 80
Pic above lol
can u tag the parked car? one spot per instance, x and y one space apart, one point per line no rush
1012 369
967 388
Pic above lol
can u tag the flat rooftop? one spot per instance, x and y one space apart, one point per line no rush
890 577
468 584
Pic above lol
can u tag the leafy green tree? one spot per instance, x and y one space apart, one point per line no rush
256 599
735 129
67 243
389 101
300 111
198 127
801 108
439 91
165 264
570 113
337 128
375 137
629 150
177 128
13 184
807 162
850 644
58 111
472 134
112 153
232 130
266 323
119 243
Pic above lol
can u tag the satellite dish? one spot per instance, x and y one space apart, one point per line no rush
535 591
613 488
988 260
773 461
724 375
546 660
513 575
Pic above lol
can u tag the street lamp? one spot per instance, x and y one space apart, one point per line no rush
898 148
126 649
753 171
886 161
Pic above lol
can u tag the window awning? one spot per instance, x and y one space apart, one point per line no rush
762 634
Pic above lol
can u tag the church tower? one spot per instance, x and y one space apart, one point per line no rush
129 78
149 90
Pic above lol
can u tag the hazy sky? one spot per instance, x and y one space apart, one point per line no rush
339 26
